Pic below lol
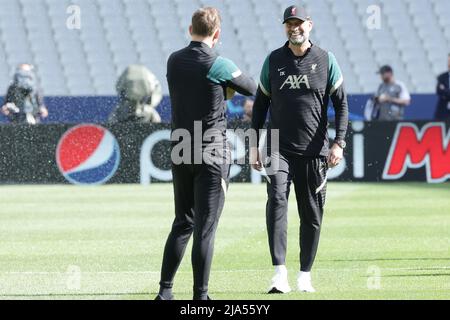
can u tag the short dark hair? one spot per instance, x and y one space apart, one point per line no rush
385 69
205 21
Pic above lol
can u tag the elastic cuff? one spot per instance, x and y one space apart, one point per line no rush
166 284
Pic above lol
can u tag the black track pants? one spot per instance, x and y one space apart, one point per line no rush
309 178
199 198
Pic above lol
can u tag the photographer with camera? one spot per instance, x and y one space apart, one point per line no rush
24 102
390 100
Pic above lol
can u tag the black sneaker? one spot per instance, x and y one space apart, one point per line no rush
275 291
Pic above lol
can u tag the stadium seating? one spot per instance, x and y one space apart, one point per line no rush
414 38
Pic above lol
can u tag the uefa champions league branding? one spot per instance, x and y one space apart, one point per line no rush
88 154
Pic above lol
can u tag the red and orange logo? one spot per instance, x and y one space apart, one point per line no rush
413 148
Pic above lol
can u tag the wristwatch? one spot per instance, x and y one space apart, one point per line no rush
341 143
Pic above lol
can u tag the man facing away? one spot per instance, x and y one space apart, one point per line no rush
198 81
297 81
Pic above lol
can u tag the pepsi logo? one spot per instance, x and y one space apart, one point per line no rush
88 154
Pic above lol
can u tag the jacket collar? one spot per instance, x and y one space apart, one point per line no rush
291 54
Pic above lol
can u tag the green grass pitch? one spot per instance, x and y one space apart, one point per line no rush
379 241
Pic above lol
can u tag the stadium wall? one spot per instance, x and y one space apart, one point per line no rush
96 109
130 153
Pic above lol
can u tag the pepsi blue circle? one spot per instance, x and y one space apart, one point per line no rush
88 154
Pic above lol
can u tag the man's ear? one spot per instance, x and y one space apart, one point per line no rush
216 36
190 30
311 24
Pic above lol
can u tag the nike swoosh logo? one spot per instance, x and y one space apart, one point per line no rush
281 69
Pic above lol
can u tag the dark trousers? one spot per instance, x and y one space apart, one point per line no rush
309 178
199 192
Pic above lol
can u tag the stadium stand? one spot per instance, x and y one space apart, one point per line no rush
414 38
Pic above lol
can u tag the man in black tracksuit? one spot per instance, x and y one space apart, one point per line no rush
443 91
297 81
199 81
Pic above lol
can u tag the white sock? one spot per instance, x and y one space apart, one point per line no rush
280 279
304 282
281 269
305 275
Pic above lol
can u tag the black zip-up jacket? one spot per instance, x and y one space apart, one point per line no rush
198 79
298 89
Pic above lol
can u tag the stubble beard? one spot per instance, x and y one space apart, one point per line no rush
297 40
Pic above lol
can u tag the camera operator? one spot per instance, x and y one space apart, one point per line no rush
24 102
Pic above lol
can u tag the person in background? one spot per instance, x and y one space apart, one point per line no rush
248 110
391 97
443 92
139 94
24 103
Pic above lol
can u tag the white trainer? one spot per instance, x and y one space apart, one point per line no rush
304 282
279 282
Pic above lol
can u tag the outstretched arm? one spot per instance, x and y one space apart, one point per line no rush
243 84
259 114
339 98
226 73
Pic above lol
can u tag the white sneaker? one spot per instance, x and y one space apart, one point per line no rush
304 282
279 282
